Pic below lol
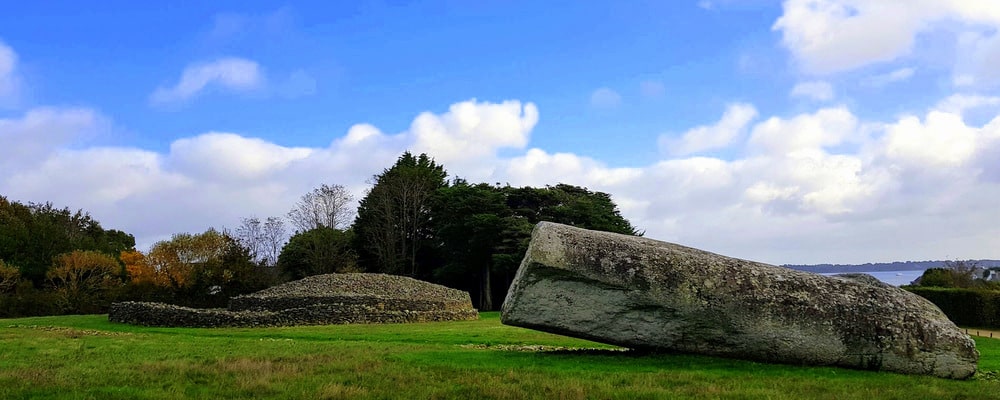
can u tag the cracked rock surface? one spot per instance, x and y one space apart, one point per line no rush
646 294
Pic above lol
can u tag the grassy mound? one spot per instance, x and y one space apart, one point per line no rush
315 300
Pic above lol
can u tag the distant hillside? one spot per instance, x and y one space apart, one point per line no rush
878 267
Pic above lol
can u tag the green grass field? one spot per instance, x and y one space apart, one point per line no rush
80 357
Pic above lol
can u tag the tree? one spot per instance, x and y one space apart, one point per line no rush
327 205
176 260
939 277
83 280
32 235
470 222
262 240
321 250
137 269
570 205
206 268
962 272
483 230
274 238
392 226
9 277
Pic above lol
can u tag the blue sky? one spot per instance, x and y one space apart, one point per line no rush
798 131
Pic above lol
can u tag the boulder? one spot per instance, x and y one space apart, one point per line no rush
646 294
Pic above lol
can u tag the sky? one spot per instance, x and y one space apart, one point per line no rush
787 132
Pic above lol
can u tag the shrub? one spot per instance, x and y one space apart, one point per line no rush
967 307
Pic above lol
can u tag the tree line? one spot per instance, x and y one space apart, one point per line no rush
412 221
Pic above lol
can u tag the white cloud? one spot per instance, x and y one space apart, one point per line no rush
27 140
605 98
828 36
235 74
824 128
942 140
471 130
711 137
815 90
959 103
9 81
898 75
981 55
219 156
823 186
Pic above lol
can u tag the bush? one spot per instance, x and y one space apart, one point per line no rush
27 301
966 307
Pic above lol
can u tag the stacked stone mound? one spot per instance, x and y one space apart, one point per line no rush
641 293
316 300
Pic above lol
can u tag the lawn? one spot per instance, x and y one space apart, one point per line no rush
79 357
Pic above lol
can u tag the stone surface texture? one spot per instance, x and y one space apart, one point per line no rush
642 293
315 300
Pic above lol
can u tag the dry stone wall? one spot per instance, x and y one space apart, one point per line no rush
315 300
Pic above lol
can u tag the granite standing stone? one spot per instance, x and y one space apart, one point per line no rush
641 293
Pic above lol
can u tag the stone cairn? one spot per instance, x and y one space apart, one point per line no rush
356 298
641 293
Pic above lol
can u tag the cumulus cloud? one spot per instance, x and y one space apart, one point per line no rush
215 178
814 90
822 186
825 128
28 139
9 81
828 36
710 137
605 98
472 130
233 74
226 156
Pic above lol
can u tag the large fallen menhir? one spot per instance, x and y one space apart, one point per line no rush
641 293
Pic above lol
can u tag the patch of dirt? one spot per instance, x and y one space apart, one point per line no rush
70 332
982 332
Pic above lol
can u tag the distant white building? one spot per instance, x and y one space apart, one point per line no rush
991 274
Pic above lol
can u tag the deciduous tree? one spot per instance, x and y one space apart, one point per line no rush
317 251
32 235
9 277
262 239
83 279
327 205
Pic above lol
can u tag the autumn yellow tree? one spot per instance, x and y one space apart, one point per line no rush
82 280
202 269
173 263
138 270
